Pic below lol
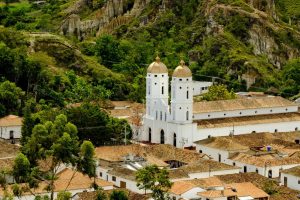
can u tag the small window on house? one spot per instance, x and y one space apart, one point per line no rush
286 109
209 136
162 90
224 114
271 110
179 108
245 169
233 163
100 174
200 151
296 129
180 79
114 178
256 171
298 181
187 94
155 83
180 87
240 113
253 131
187 115
162 75
187 79
275 131
208 115
256 111
161 115
155 75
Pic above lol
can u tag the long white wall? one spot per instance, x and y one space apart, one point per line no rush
246 112
203 133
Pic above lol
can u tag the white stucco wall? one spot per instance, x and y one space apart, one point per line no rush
200 87
191 194
5 132
293 182
245 112
203 133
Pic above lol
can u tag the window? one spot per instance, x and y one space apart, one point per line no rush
156 115
187 79
271 110
245 169
155 83
149 90
114 178
298 181
255 111
155 75
240 113
162 75
219 158
179 108
100 174
286 109
224 114
233 163
187 94
296 129
256 170
187 115
180 87
11 134
162 90
200 151
161 115
275 131
208 115
180 79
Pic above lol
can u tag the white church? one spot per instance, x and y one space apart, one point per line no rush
180 121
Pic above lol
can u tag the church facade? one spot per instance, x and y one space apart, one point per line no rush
179 121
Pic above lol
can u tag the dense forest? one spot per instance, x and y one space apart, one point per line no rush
54 53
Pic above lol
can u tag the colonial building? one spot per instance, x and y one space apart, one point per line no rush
178 120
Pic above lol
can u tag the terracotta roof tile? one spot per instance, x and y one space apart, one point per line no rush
11 120
240 104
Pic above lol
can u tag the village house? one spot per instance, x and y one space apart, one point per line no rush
265 153
10 127
182 121
68 180
214 189
234 191
118 164
291 178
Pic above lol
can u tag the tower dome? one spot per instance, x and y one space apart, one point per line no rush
182 70
157 67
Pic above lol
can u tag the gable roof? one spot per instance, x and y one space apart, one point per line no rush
180 187
236 189
222 143
295 171
240 104
11 120
263 160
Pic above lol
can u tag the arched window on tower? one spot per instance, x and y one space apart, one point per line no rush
160 115
187 94
187 115
162 90
149 90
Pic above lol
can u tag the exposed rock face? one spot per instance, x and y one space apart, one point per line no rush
113 14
